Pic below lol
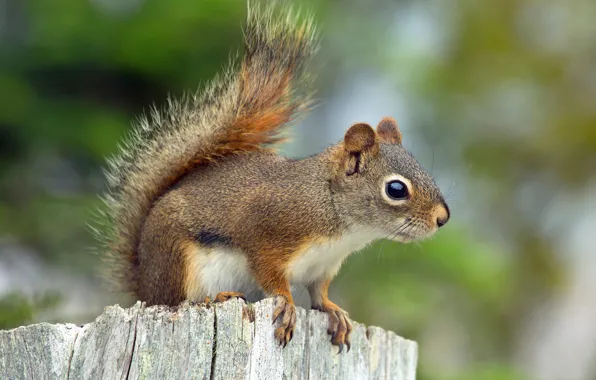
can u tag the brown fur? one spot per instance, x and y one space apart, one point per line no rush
197 202
388 131
203 185
273 208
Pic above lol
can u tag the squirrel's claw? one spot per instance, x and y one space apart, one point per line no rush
339 327
287 312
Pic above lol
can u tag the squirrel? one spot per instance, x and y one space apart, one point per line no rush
199 204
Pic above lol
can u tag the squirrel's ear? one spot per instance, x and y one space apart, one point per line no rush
361 137
388 131
361 143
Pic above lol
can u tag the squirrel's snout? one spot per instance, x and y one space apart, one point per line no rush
442 212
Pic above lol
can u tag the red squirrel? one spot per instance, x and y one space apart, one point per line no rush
200 205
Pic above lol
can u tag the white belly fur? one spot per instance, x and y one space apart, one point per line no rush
321 261
226 270
221 270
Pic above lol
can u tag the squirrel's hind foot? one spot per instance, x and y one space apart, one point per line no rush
224 296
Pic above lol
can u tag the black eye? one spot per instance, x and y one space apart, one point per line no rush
397 190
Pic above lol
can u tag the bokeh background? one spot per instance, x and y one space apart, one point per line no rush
496 98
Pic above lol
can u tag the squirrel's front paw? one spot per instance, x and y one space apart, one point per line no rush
287 311
339 325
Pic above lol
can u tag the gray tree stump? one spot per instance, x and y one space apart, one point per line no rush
228 341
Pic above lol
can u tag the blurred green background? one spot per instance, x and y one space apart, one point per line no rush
496 98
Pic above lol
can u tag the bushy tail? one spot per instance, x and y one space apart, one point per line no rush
242 110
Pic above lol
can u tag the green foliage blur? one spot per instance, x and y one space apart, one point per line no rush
17 309
73 74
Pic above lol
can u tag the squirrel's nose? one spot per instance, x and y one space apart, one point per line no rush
443 215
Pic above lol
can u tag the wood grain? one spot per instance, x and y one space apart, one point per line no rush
231 340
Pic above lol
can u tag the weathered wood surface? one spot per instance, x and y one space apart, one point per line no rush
229 341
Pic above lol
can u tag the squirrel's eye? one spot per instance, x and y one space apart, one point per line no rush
397 190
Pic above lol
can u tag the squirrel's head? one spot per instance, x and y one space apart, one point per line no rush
380 185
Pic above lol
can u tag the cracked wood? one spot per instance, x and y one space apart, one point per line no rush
229 341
